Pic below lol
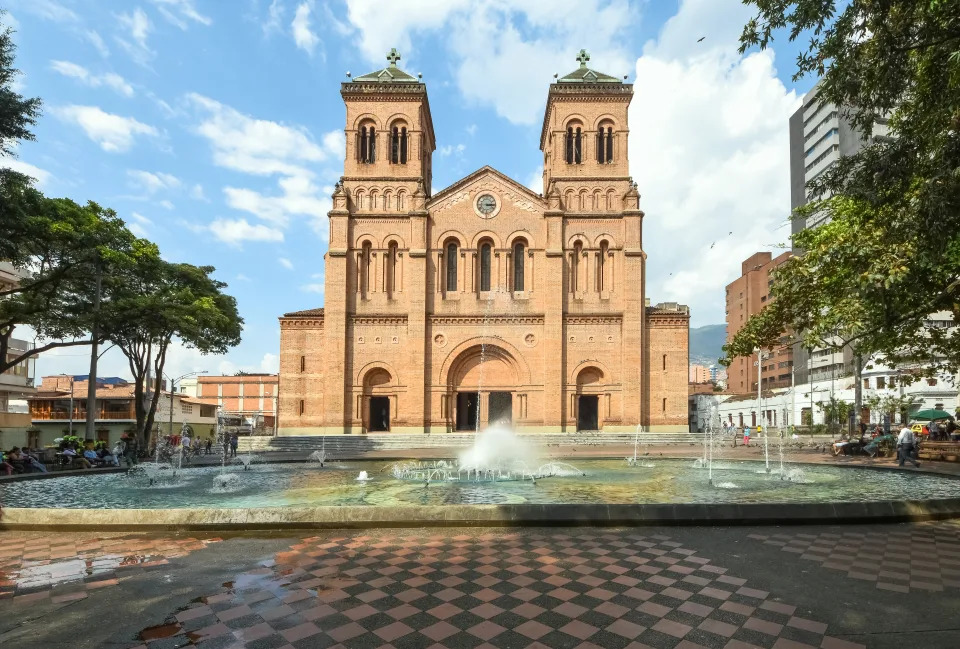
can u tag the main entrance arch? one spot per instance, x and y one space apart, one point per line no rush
481 381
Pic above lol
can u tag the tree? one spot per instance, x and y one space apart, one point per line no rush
155 302
835 411
57 243
890 253
17 116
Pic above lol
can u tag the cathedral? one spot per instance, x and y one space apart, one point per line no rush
484 302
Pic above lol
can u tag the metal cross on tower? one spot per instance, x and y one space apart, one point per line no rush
393 56
583 57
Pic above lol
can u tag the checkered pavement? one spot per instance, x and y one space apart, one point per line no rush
923 556
62 568
505 590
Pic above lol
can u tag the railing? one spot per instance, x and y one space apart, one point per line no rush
80 415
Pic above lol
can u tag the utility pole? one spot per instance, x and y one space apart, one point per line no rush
170 419
71 406
94 356
760 387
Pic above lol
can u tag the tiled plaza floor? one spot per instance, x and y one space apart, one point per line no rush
662 588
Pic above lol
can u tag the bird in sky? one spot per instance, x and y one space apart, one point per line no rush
712 245
701 38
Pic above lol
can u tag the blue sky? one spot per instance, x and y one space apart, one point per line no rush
214 128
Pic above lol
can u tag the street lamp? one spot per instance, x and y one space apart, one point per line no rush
173 385
70 423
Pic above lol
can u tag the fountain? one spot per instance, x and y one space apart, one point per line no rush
320 456
246 460
363 476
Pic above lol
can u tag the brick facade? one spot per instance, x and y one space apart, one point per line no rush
530 305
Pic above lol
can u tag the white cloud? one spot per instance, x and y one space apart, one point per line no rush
316 287
235 232
42 176
270 363
305 39
471 130
112 132
167 205
451 149
486 40
97 41
137 27
179 12
49 9
720 134
274 18
242 278
286 263
140 218
300 197
196 193
109 79
152 182
535 181
257 146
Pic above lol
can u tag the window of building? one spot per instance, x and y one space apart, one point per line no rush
866 383
893 381
602 269
390 271
398 145
881 382
575 267
186 409
366 259
518 263
485 263
664 404
302 404
605 143
664 361
368 144
574 145
303 363
931 382
452 266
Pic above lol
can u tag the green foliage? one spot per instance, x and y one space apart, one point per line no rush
17 116
153 302
890 254
835 411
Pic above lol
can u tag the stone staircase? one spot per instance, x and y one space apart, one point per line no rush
354 445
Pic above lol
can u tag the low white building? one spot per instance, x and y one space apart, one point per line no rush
790 406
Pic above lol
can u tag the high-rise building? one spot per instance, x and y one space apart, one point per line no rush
745 297
820 134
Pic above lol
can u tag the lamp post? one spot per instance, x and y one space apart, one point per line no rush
173 385
70 423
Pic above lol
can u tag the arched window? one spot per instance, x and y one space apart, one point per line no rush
574 145
452 258
518 261
368 144
605 143
602 270
374 195
398 145
366 257
387 200
400 196
575 267
391 269
485 253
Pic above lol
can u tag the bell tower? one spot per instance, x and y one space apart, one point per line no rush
389 130
585 131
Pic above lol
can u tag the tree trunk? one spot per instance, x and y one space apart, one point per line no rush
857 389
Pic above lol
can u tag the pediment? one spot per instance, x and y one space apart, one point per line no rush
487 179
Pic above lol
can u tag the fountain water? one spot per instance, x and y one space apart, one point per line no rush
246 460
318 456
497 454
224 481
363 477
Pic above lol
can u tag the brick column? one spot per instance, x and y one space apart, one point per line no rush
554 337
336 380
416 376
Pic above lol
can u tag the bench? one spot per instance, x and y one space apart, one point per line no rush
943 451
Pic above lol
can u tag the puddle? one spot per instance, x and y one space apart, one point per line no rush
160 631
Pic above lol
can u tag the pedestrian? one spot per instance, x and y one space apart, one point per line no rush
906 442
234 442
209 445
746 436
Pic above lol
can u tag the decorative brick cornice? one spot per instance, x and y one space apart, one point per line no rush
301 323
593 319
469 320
366 320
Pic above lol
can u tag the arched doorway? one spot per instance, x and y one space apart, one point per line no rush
378 393
589 382
481 382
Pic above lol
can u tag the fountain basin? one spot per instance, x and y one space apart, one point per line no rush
304 496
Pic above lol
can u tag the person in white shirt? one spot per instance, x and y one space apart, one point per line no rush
905 445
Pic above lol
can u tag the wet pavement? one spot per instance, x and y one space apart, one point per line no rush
827 587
